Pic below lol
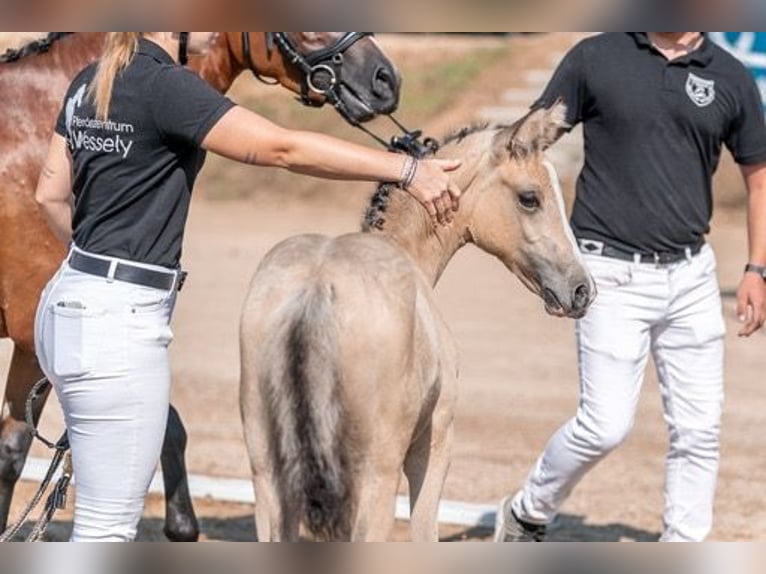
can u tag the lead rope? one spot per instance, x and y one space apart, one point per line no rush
58 496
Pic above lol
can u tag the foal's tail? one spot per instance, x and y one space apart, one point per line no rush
309 424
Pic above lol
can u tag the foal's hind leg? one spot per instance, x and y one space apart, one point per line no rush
426 468
15 435
269 514
180 521
377 504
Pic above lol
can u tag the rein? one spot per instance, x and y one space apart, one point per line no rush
58 497
322 73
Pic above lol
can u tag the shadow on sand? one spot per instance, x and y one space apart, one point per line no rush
566 528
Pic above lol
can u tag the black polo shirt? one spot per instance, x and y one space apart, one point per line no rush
653 134
133 174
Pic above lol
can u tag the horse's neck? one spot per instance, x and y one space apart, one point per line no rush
222 65
68 55
408 224
85 49
219 67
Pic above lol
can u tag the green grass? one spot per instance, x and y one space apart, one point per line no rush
426 92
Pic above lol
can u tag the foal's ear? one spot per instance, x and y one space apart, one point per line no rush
536 131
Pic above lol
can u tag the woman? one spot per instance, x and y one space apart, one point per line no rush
129 142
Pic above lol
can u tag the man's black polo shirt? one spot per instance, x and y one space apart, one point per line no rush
133 174
653 134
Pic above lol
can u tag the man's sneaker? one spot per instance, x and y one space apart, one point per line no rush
509 528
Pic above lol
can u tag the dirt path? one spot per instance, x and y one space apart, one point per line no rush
518 376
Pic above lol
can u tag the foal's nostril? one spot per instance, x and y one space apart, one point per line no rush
581 296
383 83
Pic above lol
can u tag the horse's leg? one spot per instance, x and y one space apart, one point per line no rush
426 468
377 504
15 435
268 511
180 521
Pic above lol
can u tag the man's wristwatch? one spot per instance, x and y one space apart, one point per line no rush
760 269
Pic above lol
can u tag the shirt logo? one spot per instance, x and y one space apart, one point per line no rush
700 90
73 103
112 138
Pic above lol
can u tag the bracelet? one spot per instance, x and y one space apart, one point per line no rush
405 168
753 268
409 169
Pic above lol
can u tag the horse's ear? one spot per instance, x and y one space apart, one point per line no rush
536 131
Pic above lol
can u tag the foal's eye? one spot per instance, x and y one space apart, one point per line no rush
529 200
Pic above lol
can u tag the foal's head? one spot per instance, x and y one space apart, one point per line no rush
515 211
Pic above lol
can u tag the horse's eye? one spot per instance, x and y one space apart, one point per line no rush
529 200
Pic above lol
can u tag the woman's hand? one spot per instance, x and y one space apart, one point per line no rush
432 186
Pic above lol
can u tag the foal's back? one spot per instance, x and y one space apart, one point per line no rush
379 304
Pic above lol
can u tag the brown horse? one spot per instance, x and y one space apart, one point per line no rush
349 372
347 69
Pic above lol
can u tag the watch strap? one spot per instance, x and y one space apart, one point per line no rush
753 268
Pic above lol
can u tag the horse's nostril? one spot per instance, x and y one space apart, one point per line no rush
384 83
581 296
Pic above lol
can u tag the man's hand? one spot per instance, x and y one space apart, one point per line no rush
751 303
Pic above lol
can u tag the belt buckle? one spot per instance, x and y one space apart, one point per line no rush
657 258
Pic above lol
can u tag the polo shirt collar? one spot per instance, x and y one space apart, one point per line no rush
702 55
154 51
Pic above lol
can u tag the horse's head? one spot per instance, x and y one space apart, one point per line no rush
346 69
516 212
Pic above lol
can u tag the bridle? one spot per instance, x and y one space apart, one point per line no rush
183 48
322 74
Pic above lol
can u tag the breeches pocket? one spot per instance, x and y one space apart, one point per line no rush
87 341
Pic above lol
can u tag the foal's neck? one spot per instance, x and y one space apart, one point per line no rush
409 226
407 223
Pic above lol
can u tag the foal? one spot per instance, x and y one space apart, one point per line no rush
349 371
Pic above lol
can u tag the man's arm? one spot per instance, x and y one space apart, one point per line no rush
751 294
54 189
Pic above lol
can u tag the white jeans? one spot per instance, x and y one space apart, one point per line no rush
674 312
104 347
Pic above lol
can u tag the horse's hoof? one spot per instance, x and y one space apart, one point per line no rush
183 530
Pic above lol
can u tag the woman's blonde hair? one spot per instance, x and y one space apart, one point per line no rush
119 49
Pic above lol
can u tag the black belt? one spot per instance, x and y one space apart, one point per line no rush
126 272
658 257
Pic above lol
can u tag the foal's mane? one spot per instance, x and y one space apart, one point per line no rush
34 47
374 217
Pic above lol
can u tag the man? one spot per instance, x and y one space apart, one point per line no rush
656 108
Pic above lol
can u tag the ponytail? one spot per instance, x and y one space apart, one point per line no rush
119 49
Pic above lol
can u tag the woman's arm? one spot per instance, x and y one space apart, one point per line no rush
54 189
244 136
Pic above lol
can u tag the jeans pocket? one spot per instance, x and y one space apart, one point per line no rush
77 333
609 272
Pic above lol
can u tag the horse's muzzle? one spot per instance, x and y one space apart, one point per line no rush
576 304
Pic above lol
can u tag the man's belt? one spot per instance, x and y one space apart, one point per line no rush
658 257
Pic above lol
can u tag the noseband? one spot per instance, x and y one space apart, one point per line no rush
322 73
